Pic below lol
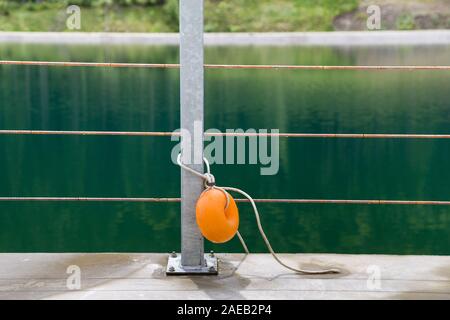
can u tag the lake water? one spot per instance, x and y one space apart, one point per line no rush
44 98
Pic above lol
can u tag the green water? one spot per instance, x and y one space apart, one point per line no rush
291 101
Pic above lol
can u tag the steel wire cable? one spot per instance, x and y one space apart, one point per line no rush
223 66
268 201
228 134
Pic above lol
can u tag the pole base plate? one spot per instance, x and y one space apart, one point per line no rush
174 267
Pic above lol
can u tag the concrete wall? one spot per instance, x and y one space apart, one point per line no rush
434 37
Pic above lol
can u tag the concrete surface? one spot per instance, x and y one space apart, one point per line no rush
257 276
336 38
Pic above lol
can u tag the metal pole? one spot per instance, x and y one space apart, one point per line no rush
191 77
193 259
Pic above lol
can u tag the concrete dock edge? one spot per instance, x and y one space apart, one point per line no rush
352 38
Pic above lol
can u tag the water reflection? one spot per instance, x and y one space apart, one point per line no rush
292 101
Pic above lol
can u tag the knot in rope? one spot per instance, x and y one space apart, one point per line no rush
210 180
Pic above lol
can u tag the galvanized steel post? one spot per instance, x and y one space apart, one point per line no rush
193 259
191 77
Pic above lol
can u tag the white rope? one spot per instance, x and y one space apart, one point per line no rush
208 177
241 239
266 240
210 184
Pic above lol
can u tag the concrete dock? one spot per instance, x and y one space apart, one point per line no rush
257 276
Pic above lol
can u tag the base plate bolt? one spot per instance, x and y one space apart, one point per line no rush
174 267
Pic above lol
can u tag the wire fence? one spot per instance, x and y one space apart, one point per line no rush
231 134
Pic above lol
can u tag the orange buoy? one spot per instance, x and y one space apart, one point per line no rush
217 222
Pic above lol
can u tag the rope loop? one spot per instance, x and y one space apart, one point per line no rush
210 181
